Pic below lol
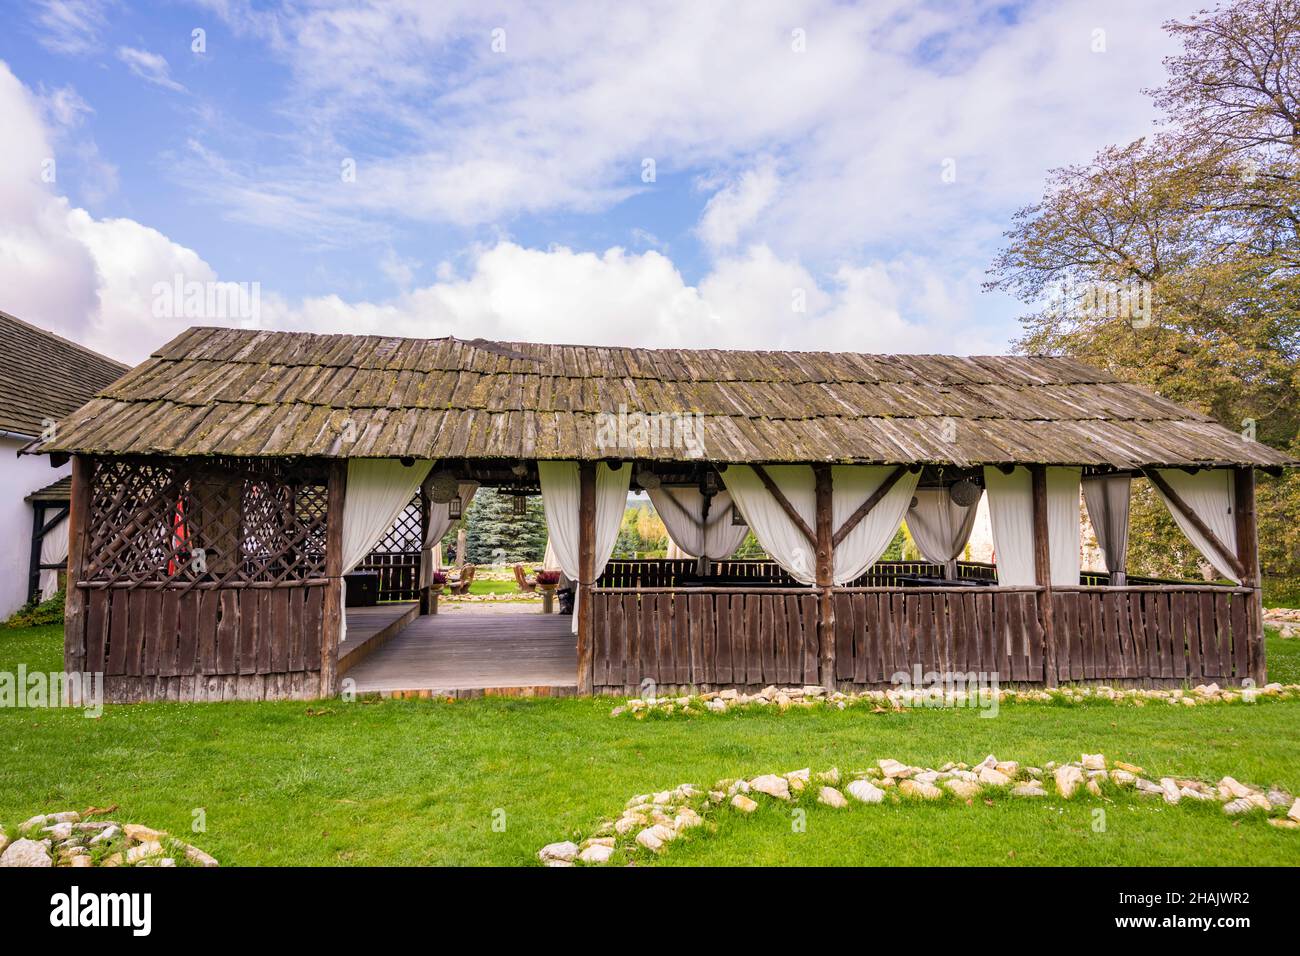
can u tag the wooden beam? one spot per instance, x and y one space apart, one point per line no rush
586 571
332 617
1043 571
865 508
825 576
1243 493
784 502
426 515
1186 511
74 607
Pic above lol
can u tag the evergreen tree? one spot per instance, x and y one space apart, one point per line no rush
495 535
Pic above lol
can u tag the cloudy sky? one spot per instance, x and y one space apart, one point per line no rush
797 174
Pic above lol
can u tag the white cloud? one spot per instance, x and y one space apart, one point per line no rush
860 122
69 26
93 279
151 67
737 206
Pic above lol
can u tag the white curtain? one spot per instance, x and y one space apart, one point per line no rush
54 550
1108 497
851 485
939 526
440 522
682 511
377 491
1064 525
675 552
779 536
1209 494
561 498
1011 511
549 561
1011 515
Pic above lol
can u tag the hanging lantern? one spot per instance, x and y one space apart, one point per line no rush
965 493
737 519
520 506
443 487
709 484
453 508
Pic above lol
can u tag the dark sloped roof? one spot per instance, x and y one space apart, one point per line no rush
60 490
44 376
241 392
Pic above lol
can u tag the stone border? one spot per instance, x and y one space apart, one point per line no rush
66 839
881 701
651 821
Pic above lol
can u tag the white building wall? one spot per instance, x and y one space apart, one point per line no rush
19 477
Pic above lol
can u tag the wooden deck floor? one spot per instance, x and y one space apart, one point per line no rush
467 652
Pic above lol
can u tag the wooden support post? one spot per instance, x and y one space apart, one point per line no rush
586 570
1043 572
426 509
332 619
74 607
825 576
1243 488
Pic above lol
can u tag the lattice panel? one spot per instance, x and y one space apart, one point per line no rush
404 535
205 520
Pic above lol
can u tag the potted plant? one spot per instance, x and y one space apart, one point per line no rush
546 583
437 581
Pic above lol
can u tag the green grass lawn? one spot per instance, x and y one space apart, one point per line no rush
422 782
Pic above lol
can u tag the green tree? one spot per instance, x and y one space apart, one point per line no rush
1172 261
495 535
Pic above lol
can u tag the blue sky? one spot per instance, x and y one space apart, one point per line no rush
826 175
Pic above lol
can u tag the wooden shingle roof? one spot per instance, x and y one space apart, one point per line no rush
240 392
44 376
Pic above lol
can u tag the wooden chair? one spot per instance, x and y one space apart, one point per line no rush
526 584
462 583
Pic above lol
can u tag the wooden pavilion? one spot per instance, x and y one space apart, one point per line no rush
238 442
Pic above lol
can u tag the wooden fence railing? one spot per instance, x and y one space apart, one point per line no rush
187 643
758 636
704 636
1162 632
399 574
880 632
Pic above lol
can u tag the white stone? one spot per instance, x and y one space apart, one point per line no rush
915 788
892 768
831 776
1094 761
1231 787
142 850
831 798
650 840
993 777
27 853
743 803
965 789
108 833
596 853
687 819
1240 805
564 852
1031 788
1294 812
772 785
1068 779
865 791
1172 793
